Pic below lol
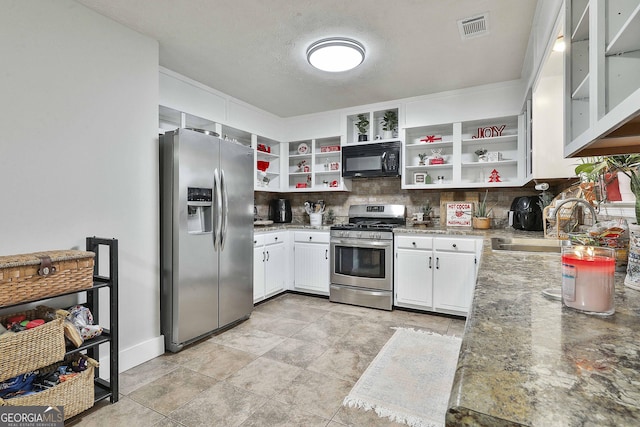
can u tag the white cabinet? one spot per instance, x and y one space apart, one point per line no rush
449 151
311 261
414 272
315 165
435 273
601 77
454 273
268 163
269 264
382 126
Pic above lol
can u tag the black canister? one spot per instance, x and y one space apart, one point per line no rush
280 210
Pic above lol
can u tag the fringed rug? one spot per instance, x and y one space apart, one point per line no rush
410 380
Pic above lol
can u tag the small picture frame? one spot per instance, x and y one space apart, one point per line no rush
419 177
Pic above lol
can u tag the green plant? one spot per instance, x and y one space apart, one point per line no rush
390 121
422 156
426 208
628 165
481 208
481 152
331 216
544 199
362 124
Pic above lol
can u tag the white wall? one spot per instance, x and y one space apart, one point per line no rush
78 148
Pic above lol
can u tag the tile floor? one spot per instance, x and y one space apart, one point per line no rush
291 364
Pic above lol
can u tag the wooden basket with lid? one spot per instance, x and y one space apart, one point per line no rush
29 277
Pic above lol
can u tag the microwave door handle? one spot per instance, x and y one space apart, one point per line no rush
384 160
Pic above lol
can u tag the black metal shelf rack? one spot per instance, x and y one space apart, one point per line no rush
103 388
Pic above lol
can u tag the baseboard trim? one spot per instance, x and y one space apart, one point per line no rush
140 353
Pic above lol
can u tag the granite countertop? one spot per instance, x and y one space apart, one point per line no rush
527 360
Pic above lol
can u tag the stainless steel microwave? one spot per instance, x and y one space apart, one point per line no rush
371 160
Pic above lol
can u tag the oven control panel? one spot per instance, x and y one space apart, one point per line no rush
362 234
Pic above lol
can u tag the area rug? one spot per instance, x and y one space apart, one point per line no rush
410 380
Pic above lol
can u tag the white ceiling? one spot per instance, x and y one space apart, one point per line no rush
254 50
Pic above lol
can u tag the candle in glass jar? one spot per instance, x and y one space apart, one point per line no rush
588 278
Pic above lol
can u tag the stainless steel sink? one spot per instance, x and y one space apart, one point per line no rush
527 245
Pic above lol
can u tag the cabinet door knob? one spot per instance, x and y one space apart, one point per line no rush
267 255
429 262
326 254
413 243
455 246
276 238
310 237
437 263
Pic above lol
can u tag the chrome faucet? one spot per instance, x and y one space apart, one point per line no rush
594 215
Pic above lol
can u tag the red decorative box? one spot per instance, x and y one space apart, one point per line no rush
432 138
438 161
301 185
264 148
329 148
262 165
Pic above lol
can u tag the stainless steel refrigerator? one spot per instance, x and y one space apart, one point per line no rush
206 236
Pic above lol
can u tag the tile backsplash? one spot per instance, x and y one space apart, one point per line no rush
388 191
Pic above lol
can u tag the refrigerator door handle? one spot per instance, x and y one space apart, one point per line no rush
224 213
217 211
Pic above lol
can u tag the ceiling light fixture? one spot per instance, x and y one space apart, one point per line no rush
335 54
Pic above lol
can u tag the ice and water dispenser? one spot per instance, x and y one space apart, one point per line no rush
199 213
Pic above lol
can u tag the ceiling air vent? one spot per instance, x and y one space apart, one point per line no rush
474 26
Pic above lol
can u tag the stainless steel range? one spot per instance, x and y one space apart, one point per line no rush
362 256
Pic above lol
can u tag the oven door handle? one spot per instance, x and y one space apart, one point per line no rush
361 243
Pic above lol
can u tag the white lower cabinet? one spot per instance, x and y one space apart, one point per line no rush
311 261
269 264
436 273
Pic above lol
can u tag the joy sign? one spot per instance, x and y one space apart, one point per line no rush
489 132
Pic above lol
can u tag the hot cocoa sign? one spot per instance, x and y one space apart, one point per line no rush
459 214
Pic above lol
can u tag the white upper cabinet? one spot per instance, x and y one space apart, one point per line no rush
470 154
602 77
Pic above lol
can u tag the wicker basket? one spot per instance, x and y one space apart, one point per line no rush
29 350
75 394
22 279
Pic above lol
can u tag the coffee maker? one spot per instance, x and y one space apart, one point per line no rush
280 210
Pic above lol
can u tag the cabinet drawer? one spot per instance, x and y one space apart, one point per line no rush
258 240
311 237
272 239
414 242
454 244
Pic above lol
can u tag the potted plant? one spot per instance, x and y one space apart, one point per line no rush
628 164
426 210
389 123
482 154
422 157
481 218
363 125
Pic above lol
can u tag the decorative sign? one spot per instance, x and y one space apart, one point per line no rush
419 177
494 156
432 138
495 176
489 132
459 214
329 148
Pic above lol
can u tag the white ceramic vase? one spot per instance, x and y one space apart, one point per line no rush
387 134
632 280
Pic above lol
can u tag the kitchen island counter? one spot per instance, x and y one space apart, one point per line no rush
527 360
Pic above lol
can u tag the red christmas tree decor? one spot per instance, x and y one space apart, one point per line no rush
495 176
